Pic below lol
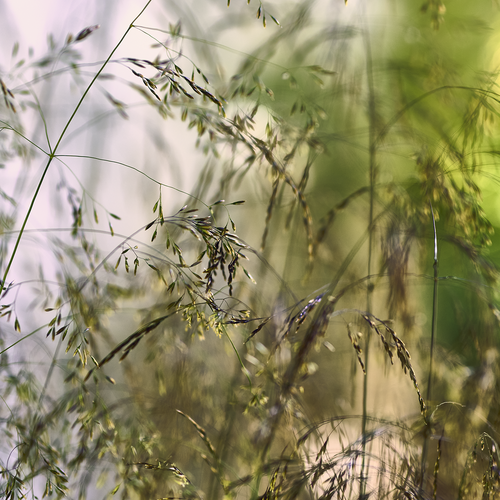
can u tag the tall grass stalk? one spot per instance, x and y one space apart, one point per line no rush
195 366
53 152
428 430
372 172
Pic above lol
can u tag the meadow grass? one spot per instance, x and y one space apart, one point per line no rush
316 318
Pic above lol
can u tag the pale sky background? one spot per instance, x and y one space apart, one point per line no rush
133 142
119 191
163 149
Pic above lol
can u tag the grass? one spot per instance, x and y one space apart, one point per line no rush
282 329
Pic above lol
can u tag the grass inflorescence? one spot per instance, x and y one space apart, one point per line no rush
339 222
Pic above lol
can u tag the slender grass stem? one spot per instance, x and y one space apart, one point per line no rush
369 290
22 338
434 307
5 126
135 169
243 367
56 147
425 449
50 372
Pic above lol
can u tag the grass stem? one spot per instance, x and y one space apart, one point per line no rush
425 449
54 151
369 290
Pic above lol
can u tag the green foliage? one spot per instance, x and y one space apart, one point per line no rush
244 349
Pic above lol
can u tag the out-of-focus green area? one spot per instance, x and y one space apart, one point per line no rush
335 335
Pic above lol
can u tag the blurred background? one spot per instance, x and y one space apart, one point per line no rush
362 138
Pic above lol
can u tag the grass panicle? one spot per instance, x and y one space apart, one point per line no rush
234 348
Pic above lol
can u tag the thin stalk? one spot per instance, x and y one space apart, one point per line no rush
433 337
22 338
244 369
294 366
369 290
50 372
434 306
54 151
306 345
